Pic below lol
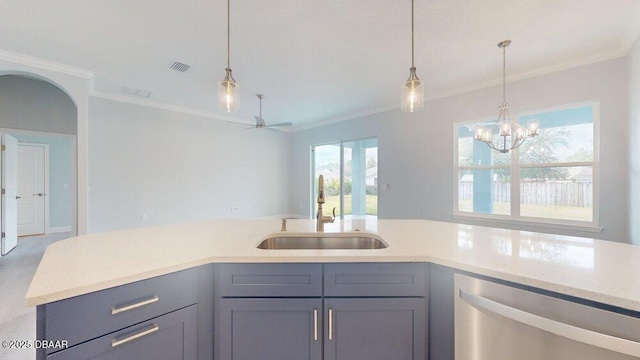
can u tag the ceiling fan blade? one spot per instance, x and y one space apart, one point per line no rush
270 129
281 124
249 128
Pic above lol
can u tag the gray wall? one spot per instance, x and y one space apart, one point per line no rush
416 150
29 104
35 105
633 61
174 168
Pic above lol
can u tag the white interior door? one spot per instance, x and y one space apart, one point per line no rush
31 189
10 192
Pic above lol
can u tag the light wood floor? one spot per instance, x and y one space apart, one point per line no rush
18 322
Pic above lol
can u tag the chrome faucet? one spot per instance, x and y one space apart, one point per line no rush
320 218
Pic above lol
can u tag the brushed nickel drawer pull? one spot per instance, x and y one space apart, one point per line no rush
133 306
330 324
315 324
153 329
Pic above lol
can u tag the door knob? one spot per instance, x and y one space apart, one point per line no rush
39 194
17 197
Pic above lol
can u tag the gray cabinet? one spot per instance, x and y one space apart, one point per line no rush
109 310
270 329
166 317
374 280
375 329
441 313
298 311
268 311
269 280
171 336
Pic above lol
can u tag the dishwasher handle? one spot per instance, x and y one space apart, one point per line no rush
604 341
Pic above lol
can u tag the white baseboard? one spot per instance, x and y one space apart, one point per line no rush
58 229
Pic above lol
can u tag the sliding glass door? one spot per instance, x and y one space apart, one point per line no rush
350 171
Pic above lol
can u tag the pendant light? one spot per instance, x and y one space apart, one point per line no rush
228 89
412 91
505 134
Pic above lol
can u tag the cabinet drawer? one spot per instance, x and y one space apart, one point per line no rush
269 280
89 316
379 279
171 337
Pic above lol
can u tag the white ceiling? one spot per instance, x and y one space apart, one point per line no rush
315 60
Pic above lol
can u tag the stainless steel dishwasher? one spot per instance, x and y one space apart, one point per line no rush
499 322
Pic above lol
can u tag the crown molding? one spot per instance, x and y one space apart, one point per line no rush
358 115
621 52
45 64
629 41
633 33
169 107
531 74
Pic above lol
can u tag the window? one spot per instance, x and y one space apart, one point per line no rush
555 173
350 171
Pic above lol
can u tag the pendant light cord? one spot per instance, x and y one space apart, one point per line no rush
504 74
228 34
412 40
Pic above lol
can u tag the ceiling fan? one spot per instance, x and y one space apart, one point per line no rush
260 124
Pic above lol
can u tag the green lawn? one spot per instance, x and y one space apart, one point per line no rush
537 210
371 206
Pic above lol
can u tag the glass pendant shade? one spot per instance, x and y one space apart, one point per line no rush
412 93
228 88
228 94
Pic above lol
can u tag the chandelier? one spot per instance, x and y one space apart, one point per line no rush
505 134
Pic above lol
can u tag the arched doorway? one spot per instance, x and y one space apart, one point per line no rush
75 83
42 119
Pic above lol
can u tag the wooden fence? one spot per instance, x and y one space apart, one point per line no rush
561 193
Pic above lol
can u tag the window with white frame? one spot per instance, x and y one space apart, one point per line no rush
551 178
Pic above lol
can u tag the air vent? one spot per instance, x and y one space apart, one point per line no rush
137 92
178 66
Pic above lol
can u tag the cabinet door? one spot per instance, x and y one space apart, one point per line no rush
168 337
375 329
270 329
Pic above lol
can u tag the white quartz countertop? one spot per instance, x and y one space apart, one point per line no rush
597 270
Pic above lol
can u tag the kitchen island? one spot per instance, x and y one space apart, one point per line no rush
598 271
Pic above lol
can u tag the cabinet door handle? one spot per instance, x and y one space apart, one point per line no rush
575 333
115 342
133 306
315 324
330 324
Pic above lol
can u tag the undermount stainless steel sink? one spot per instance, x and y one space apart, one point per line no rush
322 242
